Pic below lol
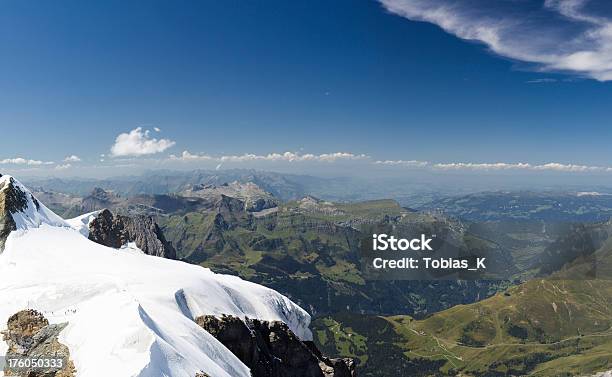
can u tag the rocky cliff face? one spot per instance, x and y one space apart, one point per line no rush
12 200
270 349
117 230
30 336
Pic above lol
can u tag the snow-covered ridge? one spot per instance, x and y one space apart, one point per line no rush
30 213
128 314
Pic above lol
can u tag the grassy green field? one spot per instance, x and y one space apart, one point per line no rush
559 326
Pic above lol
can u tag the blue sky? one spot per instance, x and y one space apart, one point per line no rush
391 81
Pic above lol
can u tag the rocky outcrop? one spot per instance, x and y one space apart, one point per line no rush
30 336
12 200
116 231
228 206
271 349
253 198
98 198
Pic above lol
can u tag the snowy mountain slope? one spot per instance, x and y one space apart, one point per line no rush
81 223
128 314
26 210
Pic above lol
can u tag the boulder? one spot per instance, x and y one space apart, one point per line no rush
30 336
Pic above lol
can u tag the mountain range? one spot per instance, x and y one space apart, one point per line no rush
308 249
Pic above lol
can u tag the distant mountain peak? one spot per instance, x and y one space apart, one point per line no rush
102 195
253 197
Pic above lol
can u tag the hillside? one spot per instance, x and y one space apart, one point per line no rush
309 250
558 326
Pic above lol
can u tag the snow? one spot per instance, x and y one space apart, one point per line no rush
128 314
131 247
81 223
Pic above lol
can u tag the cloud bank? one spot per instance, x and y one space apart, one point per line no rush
406 163
286 157
552 166
138 143
555 35
23 161
365 160
497 166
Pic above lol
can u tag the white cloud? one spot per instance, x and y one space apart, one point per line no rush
139 143
294 157
23 161
72 158
187 156
286 157
483 166
407 163
156 129
559 35
570 167
551 166
63 167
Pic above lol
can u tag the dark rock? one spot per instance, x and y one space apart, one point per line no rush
106 231
261 203
227 205
339 367
116 231
12 200
29 335
220 223
271 349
